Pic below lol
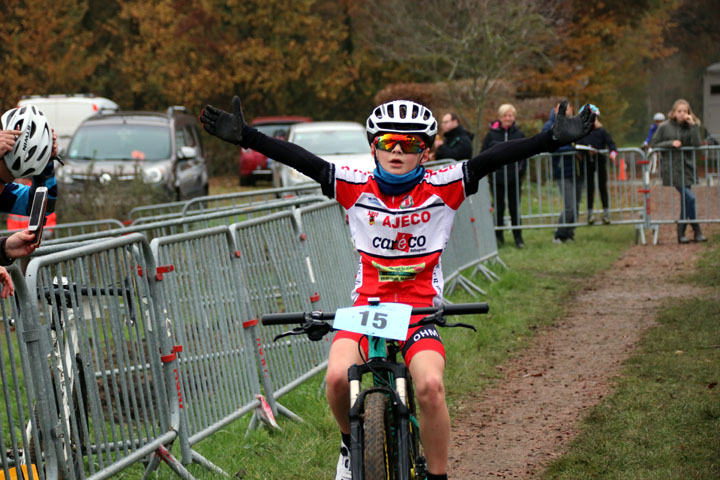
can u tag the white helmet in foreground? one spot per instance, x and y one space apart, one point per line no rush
402 116
33 146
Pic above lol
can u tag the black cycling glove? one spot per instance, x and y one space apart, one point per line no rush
226 126
568 129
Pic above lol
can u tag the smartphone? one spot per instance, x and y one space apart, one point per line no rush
37 213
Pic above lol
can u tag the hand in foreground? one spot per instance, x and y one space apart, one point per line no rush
226 126
7 140
20 244
6 282
568 129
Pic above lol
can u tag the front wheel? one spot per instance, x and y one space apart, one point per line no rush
376 430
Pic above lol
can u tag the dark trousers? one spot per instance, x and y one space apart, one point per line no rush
597 163
513 191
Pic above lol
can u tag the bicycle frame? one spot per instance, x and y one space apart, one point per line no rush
390 378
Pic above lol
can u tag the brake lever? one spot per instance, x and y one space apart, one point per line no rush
294 331
439 319
463 325
313 327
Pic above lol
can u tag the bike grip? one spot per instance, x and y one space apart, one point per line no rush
466 308
283 318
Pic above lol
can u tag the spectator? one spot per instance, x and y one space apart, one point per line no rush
456 142
658 118
677 167
506 179
36 163
598 139
567 172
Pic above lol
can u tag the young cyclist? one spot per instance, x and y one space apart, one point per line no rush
400 219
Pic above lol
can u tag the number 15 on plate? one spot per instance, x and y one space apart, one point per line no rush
387 320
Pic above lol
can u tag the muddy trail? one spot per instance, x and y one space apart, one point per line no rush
515 427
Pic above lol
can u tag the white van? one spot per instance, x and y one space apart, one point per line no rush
66 112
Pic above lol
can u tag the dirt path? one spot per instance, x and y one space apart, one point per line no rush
513 429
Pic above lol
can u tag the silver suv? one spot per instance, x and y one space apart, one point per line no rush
165 148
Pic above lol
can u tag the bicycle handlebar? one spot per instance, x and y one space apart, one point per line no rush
300 317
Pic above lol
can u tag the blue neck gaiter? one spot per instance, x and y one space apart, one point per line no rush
392 184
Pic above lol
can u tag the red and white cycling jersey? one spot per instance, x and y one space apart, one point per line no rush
400 238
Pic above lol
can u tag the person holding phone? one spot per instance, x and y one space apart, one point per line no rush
28 147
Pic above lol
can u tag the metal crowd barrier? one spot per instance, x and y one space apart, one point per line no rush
61 230
251 197
170 210
20 448
331 257
99 311
471 244
278 279
665 205
207 302
101 364
541 204
189 223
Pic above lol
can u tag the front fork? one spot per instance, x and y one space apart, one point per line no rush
398 396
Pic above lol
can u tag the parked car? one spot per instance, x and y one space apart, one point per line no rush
341 143
253 165
166 148
66 112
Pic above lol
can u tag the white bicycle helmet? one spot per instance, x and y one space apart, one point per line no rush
402 116
33 146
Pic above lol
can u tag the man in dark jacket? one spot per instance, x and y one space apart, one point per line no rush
456 142
569 177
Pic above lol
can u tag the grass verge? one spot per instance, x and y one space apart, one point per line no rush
532 292
663 422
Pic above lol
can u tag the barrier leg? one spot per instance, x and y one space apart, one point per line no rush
470 287
200 460
164 454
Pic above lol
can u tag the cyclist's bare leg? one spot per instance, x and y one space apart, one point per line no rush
343 354
426 368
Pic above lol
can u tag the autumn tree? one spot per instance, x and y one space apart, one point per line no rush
280 56
601 55
467 45
44 49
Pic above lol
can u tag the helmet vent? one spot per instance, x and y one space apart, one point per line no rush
391 110
378 112
403 111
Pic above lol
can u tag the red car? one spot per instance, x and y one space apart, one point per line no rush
253 165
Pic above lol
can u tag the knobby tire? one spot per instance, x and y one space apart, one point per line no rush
376 430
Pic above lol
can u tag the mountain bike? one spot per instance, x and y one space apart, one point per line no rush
384 429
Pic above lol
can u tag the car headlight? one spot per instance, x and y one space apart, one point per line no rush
154 175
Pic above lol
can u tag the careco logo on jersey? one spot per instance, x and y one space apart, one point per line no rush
404 242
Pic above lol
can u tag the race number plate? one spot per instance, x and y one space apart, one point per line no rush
387 320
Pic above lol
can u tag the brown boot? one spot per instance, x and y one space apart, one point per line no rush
699 237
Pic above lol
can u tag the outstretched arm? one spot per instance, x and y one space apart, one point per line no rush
232 128
565 130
